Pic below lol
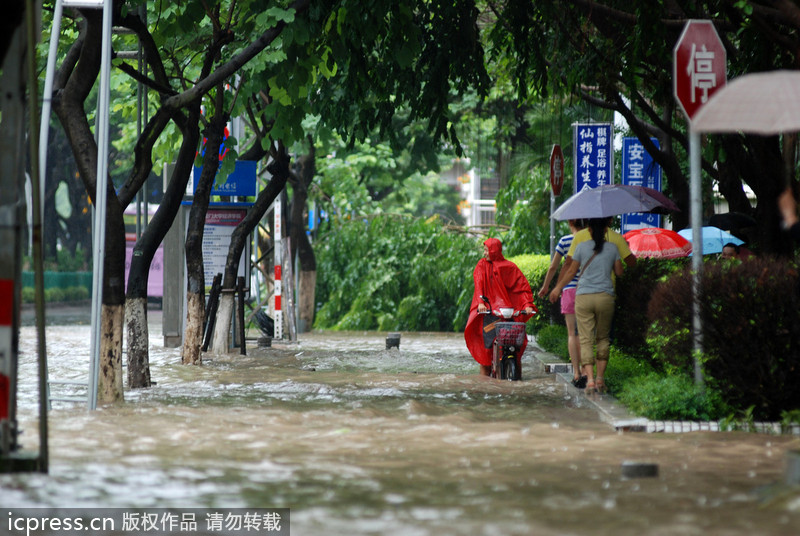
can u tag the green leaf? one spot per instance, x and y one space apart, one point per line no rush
285 15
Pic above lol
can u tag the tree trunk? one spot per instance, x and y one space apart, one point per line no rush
307 262
195 292
113 309
306 291
70 111
147 245
193 334
109 384
222 326
138 342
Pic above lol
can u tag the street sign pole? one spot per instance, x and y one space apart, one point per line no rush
552 225
699 70
696 216
100 195
556 185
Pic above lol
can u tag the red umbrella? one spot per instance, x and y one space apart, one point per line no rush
657 243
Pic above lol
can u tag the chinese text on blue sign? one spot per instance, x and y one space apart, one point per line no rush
594 154
639 169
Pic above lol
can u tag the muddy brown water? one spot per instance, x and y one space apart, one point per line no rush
356 439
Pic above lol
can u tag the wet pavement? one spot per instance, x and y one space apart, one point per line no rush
356 439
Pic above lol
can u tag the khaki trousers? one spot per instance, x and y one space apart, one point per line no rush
593 313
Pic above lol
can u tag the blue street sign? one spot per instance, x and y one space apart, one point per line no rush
241 182
639 169
593 150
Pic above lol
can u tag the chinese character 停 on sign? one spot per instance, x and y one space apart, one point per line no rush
701 72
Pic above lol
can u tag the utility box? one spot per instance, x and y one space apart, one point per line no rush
172 313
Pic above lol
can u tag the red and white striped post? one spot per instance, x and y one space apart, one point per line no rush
277 229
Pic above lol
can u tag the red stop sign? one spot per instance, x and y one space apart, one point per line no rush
699 66
556 169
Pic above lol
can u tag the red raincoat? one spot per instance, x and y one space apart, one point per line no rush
504 284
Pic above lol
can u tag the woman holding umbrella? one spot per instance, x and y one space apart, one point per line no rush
567 302
594 299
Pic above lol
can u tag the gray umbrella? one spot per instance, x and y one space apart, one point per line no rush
612 200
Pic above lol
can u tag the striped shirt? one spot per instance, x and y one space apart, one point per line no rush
562 248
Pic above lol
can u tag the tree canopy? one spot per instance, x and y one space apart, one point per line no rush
618 56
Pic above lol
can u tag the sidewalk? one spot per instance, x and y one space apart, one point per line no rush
610 411
619 418
58 314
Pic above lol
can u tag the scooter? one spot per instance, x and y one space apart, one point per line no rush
508 338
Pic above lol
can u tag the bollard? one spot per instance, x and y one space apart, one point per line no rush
393 341
639 470
792 476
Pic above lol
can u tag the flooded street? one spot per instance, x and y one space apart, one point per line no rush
357 440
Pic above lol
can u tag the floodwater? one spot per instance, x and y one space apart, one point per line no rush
356 439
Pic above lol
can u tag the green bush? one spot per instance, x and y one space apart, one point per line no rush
553 339
396 273
28 295
76 293
633 292
751 331
660 397
399 273
623 369
78 260
54 294
535 268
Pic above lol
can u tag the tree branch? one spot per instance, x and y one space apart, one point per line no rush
235 63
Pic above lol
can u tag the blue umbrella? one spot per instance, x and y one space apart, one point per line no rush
714 239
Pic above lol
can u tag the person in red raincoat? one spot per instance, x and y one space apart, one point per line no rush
503 284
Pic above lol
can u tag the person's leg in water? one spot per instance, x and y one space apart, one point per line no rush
573 342
584 315
574 347
604 314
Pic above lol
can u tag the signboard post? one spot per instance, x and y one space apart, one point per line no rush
556 185
699 70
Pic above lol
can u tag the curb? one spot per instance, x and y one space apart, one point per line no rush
618 416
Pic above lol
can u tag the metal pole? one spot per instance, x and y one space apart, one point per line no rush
139 195
142 208
696 215
44 128
552 224
47 98
38 248
100 202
